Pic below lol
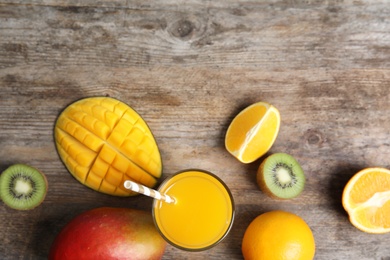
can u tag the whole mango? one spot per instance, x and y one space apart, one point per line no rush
103 142
109 233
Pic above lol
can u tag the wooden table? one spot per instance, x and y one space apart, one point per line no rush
188 67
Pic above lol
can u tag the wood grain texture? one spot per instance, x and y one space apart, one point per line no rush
188 67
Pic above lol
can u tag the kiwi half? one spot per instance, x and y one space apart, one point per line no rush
280 176
22 187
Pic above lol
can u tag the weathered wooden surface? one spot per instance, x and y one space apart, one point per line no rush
188 67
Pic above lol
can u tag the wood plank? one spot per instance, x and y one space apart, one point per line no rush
188 68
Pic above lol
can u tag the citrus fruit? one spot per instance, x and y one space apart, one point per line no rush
278 235
103 142
366 198
252 132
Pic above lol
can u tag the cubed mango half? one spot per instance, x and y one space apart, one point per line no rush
103 142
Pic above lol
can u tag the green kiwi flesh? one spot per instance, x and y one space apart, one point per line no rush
22 187
281 176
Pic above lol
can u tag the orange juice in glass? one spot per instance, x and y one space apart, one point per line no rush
202 213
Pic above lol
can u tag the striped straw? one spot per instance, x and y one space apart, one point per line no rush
130 185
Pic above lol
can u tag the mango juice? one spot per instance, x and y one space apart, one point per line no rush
202 214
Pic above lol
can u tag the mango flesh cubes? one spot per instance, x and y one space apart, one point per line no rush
104 142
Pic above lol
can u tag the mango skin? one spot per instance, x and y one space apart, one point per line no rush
103 142
109 233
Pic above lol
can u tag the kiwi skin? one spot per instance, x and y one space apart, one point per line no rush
289 162
32 178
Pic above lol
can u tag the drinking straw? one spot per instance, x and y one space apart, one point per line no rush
130 185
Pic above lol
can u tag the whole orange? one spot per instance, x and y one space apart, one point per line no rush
278 235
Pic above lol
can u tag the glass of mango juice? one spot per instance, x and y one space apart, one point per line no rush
202 214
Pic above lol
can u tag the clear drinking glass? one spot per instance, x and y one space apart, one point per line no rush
202 214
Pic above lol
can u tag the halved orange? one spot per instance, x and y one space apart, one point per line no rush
366 198
252 132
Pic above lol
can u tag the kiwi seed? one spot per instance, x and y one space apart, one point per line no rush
281 176
22 187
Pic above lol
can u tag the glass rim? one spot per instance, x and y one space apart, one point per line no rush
155 201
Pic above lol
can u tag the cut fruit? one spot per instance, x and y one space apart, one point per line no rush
366 198
252 132
104 142
22 187
281 176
